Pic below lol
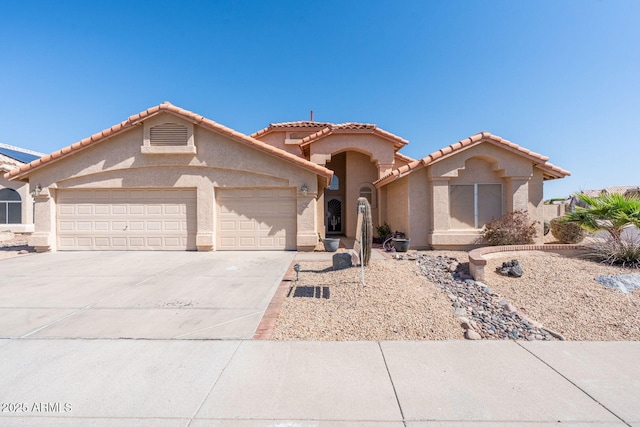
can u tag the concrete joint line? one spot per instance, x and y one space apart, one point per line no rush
57 321
219 324
87 307
572 383
206 396
395 392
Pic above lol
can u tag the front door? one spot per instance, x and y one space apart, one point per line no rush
333 215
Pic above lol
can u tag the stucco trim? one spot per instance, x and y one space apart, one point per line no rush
188 115
541 162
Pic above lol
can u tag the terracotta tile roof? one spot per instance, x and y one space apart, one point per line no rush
353 128
290 126
541 162
188 115
325 129
404 158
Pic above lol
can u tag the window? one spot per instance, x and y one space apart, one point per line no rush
335 183
474 205
10 207
367 191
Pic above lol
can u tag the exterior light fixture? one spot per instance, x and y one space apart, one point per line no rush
37 190
304 189
296 268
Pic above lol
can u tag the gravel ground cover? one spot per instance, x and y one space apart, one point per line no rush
562 293
407 300
396 303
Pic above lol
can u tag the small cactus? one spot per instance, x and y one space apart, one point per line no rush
367 229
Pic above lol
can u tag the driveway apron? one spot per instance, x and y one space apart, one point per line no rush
155 295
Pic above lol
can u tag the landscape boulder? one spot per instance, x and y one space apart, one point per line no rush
511 268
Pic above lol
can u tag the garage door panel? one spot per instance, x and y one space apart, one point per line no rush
127 219
256 219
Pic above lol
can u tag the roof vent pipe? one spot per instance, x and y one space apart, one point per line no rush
311 116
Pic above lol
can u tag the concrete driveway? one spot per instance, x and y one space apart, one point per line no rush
157 295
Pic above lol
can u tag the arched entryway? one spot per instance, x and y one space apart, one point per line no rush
354 174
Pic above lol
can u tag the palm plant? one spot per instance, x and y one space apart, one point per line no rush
608 212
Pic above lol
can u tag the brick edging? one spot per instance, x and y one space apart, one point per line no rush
477 261
267 324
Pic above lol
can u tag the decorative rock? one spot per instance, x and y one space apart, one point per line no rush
460 312
508 307
480 310
510 268
465 323
342 261
470 334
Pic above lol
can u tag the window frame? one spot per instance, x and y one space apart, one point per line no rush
476 201
4 205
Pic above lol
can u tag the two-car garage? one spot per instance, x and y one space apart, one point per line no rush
166 219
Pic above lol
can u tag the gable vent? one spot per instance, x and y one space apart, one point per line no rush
168 134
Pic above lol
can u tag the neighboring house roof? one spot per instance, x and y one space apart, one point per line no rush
17 156
188 115
550 171
618 189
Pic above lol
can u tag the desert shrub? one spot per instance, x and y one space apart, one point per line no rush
383 230
567 232
513 228
547 227
623 252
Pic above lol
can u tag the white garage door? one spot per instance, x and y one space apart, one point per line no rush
127 219
256 219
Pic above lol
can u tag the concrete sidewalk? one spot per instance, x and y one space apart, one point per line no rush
171 383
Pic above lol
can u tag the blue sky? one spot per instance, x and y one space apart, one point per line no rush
559 77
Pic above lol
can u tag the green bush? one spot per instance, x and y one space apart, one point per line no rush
567 232
623 252
513 228
383 231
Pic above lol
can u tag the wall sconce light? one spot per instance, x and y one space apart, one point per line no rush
304 189
37 190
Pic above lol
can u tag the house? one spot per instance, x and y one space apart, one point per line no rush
170 179
16 204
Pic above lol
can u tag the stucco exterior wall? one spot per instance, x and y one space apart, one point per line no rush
380 150
536 203
397 205
420 209
219 162
360 172
483 163
277 139
23 189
